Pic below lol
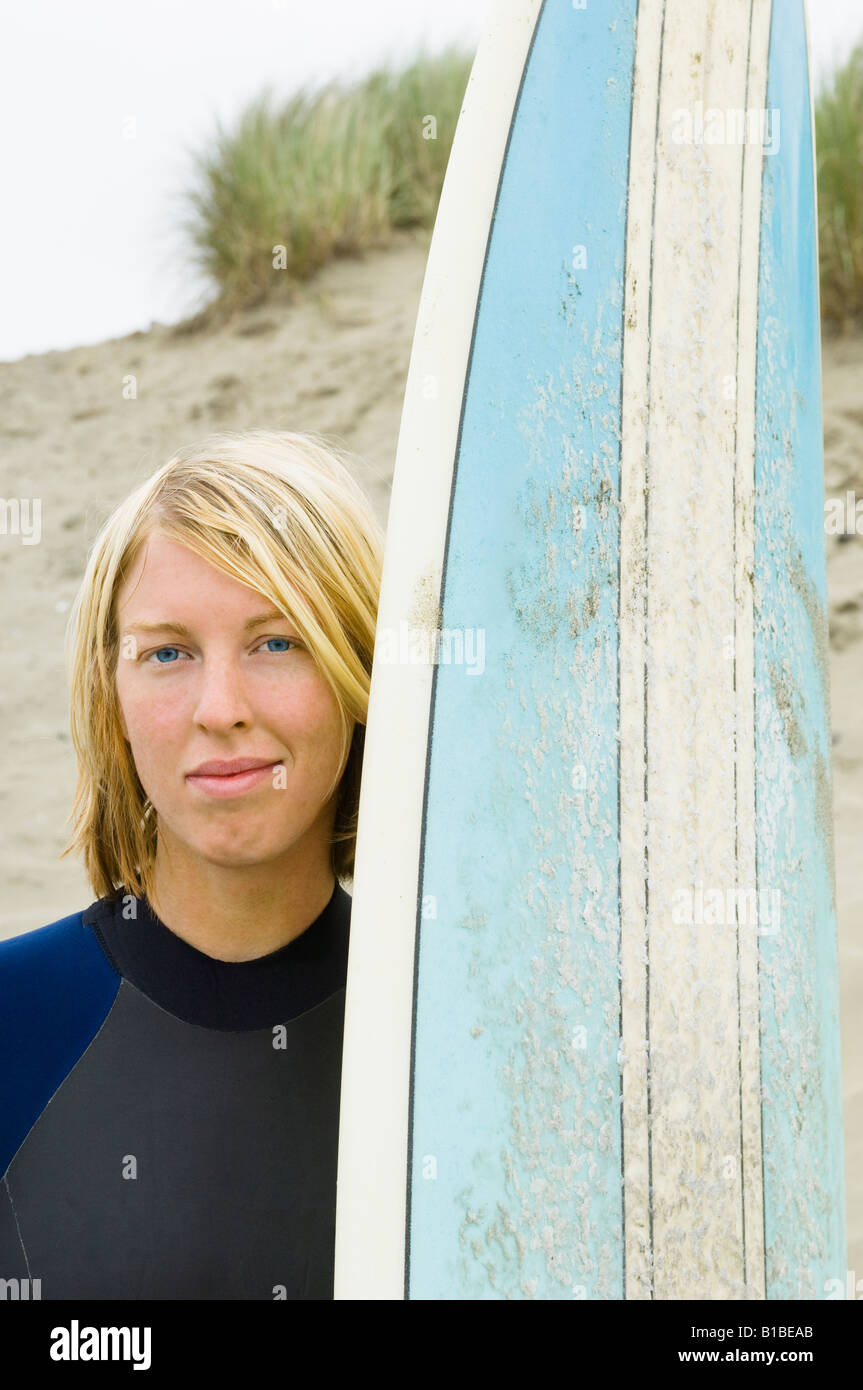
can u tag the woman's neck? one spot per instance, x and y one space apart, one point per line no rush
238 914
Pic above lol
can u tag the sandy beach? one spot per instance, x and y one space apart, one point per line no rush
334 360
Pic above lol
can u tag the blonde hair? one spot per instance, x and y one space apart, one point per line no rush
282 513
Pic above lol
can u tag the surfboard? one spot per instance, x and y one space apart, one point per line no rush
592 1038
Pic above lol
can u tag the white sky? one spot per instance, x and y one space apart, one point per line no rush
91 247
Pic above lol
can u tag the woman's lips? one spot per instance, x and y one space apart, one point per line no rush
231 784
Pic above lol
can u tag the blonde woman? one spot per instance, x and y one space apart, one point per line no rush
170 1065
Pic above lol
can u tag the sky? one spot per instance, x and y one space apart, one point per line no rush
102 103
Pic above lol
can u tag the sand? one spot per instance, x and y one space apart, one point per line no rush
334 360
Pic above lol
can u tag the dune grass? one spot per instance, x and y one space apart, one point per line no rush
331 171
839 156
338 169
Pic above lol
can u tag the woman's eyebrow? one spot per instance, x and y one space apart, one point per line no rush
272 616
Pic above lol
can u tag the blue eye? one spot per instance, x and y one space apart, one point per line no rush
158 653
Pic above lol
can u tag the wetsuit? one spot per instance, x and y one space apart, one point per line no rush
169 1122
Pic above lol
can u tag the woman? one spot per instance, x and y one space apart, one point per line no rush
171 1056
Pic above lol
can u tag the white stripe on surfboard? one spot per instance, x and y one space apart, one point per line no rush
693 1218
374 1125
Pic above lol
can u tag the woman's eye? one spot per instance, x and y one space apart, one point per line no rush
165 656
158 653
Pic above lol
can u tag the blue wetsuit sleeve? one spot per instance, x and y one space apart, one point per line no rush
56 990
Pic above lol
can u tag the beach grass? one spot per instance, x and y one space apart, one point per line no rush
331 171
338 169
839 160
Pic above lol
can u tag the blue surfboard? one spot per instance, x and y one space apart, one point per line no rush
592 1039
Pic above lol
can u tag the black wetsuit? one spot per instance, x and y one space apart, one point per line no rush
169 1122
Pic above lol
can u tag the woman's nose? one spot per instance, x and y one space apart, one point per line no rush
222 699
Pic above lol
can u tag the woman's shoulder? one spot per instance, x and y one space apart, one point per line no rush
56 989
64 948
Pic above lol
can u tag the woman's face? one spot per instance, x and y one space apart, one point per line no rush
208 673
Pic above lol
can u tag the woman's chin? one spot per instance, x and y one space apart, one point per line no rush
229 855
